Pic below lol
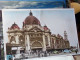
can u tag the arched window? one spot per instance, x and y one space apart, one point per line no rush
36 44
12 40
34 22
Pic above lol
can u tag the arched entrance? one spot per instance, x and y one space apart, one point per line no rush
36 46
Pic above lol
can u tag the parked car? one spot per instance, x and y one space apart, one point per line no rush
55 52
73 50
67 51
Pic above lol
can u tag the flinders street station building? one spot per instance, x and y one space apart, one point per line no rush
32 36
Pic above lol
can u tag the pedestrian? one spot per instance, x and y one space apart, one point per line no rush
45 54
10 56
49 53
76 51
39 54
42 54
23 56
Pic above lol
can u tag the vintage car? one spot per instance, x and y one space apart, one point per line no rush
67 51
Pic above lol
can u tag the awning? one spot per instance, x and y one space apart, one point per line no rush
17 48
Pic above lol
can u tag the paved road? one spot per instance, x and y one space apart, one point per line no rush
60 54
73 53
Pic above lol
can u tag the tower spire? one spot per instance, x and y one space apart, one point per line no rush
65 35
30 13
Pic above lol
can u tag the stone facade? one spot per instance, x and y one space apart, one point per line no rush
33 36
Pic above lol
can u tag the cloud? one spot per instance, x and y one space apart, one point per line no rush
15 4
27 4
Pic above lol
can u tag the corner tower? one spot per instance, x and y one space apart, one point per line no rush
65 35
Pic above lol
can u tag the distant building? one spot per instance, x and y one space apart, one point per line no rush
34 37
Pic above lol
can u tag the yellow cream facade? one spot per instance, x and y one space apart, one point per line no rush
32 36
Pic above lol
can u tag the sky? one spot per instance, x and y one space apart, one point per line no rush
29 5
57 20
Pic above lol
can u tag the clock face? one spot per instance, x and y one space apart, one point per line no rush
21 40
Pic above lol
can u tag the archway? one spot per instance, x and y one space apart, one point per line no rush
36 46
12 40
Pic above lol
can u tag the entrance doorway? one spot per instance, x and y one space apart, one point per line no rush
36 46
37 49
